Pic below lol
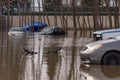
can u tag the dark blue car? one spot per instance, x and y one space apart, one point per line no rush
34 26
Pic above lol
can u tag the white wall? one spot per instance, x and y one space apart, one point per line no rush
69 2
35 5
110 2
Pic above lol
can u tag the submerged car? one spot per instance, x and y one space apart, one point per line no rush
16 31
106 52
52 31
34 26
105 34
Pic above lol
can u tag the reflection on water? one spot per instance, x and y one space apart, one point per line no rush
111 71
47 64
55 66
97 72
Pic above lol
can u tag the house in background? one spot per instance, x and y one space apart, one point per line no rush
111 3
79 2
36 5
22 6
28 6
69 2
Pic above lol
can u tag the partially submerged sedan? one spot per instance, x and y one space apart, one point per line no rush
16 31
106 52
52 31
105 34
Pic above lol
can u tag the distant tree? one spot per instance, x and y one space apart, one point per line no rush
86 2
89 3
51 5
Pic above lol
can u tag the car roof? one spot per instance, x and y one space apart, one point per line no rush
107 31
52 27
16 28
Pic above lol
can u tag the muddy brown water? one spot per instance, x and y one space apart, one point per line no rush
64 64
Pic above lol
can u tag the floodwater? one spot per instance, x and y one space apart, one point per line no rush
58 58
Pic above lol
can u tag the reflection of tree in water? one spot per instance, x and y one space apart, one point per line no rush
52 63
72 66
10 54
53 58
57 66
71 75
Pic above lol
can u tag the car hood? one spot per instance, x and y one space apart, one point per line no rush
101 42
106 31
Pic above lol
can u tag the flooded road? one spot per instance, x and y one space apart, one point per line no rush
58 58
97 72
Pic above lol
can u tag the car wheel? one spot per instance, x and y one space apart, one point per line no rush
111 58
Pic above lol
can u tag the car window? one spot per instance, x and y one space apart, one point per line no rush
58 30
55 30
16 29
50 30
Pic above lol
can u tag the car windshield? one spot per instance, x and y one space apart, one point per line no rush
58 30
16 29
47 30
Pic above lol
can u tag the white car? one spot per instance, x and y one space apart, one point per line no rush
16 31
106 52
105 34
